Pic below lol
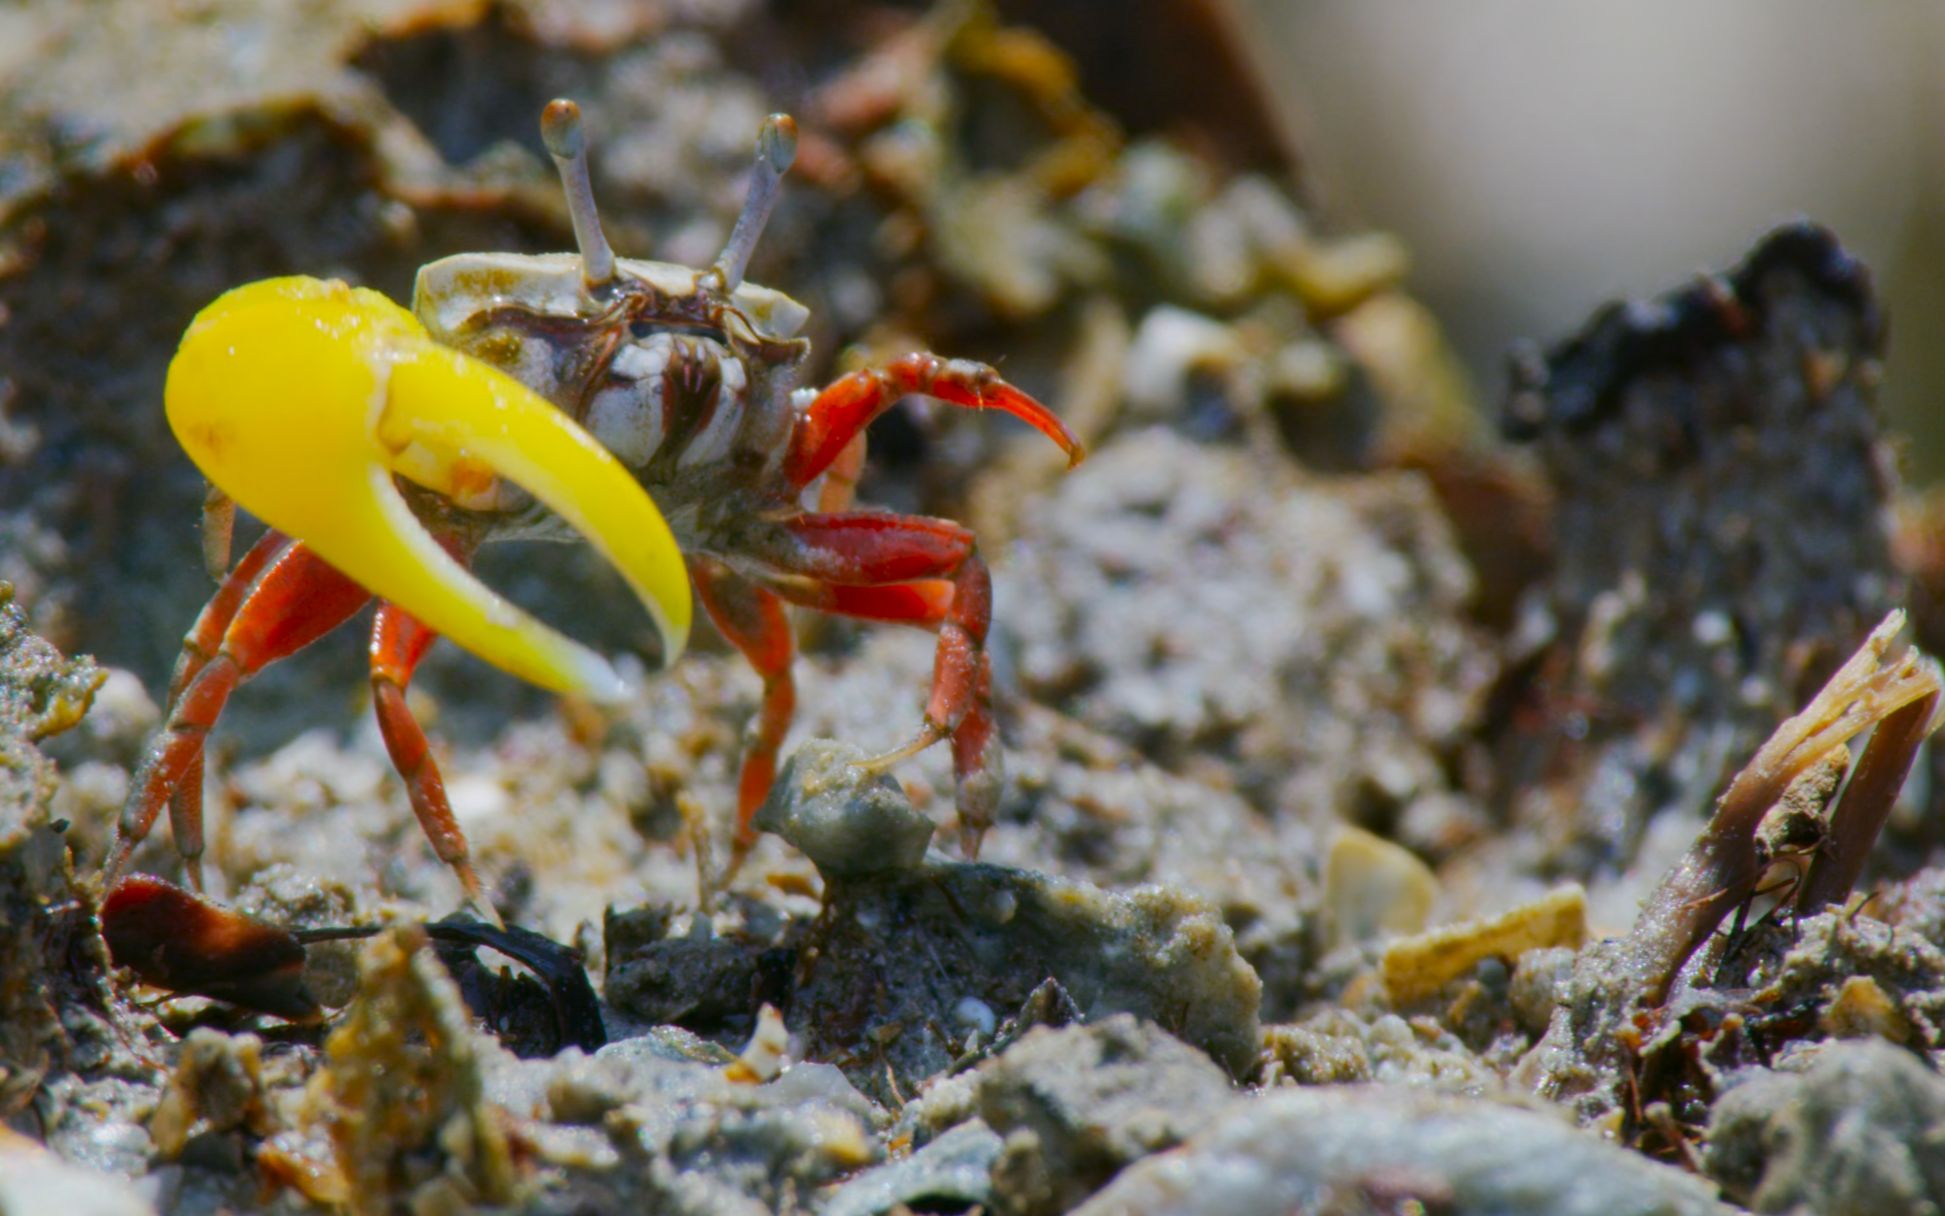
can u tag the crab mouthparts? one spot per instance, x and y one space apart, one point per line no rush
302 398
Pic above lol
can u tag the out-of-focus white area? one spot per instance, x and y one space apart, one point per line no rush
1540 158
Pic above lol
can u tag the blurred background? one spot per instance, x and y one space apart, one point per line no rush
1539 159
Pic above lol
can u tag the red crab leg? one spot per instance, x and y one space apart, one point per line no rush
753 620
206 635
854 553
202 642
840 486
923 603
295 600
399 641
848 406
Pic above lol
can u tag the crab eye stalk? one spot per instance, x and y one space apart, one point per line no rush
776 148
567 142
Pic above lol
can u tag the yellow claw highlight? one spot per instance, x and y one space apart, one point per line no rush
301 398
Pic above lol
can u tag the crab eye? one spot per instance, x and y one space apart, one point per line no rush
641 329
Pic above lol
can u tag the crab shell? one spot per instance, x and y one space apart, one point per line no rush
686 385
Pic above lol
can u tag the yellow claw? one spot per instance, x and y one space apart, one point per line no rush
301 398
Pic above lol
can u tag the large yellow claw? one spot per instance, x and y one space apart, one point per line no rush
302 398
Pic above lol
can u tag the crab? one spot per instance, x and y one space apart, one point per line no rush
649 408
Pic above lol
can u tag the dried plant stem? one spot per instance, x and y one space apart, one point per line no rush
1885 684
1866 803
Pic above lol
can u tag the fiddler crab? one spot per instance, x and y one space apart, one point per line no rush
651 408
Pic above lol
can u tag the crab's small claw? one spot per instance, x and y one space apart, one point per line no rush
179 941
302 398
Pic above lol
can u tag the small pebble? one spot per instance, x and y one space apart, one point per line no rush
975 1014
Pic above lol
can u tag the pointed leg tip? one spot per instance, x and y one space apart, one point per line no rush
481 909
926 737
970 838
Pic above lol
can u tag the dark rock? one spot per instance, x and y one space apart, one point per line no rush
908 969
1721 533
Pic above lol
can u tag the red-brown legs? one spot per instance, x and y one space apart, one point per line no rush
918 571
280 599
198 647
922 572
842 411
961 705
398 642
840 486
753 621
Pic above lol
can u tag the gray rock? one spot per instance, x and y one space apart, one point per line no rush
1360 1148
915 959
899 953
1861 1131
955 1169
658 1123
34 1181
1078 1103
849 821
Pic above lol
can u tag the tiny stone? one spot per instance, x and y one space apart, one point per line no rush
975 1014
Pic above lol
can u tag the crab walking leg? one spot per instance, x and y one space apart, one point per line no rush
753 621
297 599
840 486
849 405
923 604
204 639
399 641
219 524
879 566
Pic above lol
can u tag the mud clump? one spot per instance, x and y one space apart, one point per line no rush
952 1173
895 973
661 1122
1857 1131
407 1111
217 1105
51 962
